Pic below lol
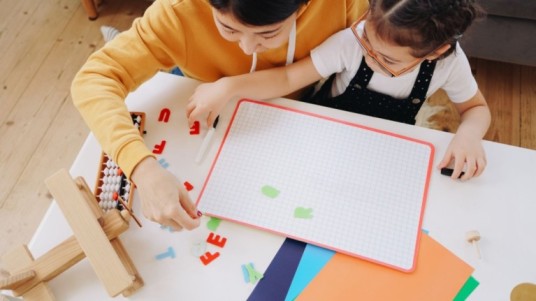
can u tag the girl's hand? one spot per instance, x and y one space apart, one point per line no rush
465 150
208 100
163 197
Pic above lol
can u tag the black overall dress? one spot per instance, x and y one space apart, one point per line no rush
358 99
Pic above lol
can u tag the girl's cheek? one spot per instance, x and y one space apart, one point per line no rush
374 65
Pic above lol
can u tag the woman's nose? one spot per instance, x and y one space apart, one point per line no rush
248 44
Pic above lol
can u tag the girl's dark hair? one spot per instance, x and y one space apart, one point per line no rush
423 25
259 12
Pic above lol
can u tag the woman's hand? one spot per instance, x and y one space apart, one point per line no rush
163 197
208 100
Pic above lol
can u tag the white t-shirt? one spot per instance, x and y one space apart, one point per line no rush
342 54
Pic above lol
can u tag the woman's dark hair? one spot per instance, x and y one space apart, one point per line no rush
259 12
423 25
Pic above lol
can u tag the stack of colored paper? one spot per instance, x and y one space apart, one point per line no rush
320 274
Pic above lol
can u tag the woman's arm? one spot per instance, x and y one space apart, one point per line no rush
210 98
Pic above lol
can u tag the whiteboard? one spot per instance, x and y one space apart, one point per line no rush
335 184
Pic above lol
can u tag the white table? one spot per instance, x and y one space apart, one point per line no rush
500 204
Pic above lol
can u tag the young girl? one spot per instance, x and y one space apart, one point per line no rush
385 65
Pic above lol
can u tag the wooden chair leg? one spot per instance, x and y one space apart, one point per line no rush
20 257
91 9
131 268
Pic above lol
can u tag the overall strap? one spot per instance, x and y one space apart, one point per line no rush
362 76
422 83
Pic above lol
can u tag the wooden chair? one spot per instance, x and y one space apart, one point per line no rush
95 236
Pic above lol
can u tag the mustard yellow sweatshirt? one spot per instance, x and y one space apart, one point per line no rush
180 33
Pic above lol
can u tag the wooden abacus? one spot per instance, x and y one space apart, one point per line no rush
112 185
96 236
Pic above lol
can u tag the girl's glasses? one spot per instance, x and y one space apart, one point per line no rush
363 42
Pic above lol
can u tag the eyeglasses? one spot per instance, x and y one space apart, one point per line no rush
364 43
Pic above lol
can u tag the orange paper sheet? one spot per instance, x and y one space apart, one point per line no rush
439 275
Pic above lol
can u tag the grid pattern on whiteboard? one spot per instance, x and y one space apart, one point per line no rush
361 192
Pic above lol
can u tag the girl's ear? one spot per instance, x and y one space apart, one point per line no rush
438 52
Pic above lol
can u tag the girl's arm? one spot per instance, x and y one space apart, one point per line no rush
210 98
466 146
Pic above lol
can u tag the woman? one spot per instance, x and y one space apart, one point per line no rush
207 40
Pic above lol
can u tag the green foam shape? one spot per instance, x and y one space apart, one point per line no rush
301 212
269 191
254 275
213 223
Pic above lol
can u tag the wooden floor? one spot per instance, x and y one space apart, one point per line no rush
43 44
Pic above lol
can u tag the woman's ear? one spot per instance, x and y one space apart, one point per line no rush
438 52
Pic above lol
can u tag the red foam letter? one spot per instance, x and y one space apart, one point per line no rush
188 186
164 115
194 130
216 240
159 148
209 257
